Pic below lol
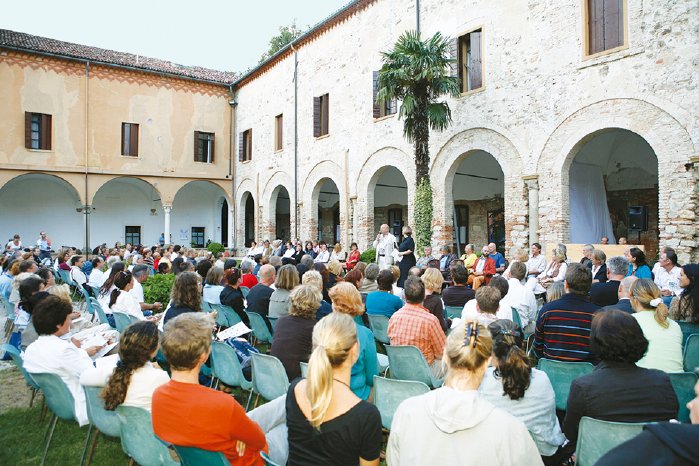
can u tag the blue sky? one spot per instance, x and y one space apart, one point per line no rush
225 35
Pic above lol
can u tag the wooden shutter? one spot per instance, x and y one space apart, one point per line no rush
27 130
476 68
316 117
196 146
45 142
123 139
613 18
248 145
595 12
325 129
213 147
133 149
279 132
455 65
377 107
241 147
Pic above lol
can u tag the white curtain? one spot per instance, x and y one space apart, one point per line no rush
589 214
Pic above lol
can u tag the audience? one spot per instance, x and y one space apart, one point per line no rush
287 279
97 276
414 325
563 326
213 288
232 296
667 276
482 270
638 266
618 389
485 307
259 295
121 300
458 294
185 296
664 335
327 423
433 280
454 424
624 303
249 279
685 307
598 266
140 275
522 298
586 260
607 293
383 301
314 278
518 255
354 277
371 273
191 415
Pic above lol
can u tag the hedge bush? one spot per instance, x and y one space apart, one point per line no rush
215 248
158 287
368 256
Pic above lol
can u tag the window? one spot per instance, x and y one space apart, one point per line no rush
605 25
245 146
132 235
468 55
320 115
203 147
198 237
278 132
37 131
129 139
385 108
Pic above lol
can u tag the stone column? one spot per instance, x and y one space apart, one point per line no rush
230 229
166 228
532 182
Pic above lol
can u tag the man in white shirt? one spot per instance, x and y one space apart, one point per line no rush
668 276
97 277
657 266
537 262
76 271
521 297
220 260
128 251
384 244
140 275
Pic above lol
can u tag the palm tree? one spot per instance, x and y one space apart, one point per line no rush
418 73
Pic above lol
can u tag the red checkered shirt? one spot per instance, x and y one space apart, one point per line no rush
415 325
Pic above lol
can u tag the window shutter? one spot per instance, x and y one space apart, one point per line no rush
196 146
454 55
316 117
595 13
133 150
241 147
476 69
377 107
123 139
613 34
325 128
46 132
249 148
27 130
213 147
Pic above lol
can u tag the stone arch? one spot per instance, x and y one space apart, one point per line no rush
246 187
445 165
97 182
270 194
197 208
673 147
325 170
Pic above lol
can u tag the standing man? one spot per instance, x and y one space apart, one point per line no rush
44 244
384 244
536 263
497 257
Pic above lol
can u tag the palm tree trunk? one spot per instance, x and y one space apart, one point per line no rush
422 139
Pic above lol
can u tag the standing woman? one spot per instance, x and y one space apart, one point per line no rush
638 266
685 307
328 424
407 251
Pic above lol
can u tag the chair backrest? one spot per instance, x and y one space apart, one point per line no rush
65 277
17 359
453 311
516 318
245 290
268 461
379 327
9 309
259 327
57 396
88 305
691 353
596 438
100 312
226 366
106 421
227 313
561 374
304 369
273 323
95 291
269 378
688 329
192 456
206 306
683 383
408 363
138 439
389 393
123 320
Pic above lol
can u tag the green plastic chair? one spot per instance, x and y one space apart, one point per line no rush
123 320
379 327
390 393
192 456
260 331
683 383
206 306
688 329
384 364
268 461
225 367
596 438
100 312
273 323
138 439
104 421
691 353
516 318
88 305
453 311
17 360
304 369
408 363
61 403
269 378
226 313
10 314
95 291
561 374
245 290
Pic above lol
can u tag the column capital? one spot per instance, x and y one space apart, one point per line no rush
532 181
167 209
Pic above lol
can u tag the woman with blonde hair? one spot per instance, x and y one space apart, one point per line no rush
555 271
338 254
327 423
433 280
434 428
517 255
555 291
347 300
279 302
664 335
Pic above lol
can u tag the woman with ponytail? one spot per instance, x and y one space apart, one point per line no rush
664 335
108 286
120 300
512 385
328 424
454 424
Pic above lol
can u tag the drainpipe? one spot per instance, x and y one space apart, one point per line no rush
296 143
417 16
233 103
86 207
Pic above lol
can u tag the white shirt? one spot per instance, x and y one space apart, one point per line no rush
77 275
522 298
536 264
669 280
323 256
143 383
14 247
480 265
384 245
470 312
219 263
289 252
51 354
127 304
212 293
103 300
137 291
338 256
97 278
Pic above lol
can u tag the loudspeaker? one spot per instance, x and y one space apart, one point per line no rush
638 218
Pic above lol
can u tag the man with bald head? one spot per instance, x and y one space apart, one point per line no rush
384 244
258 298
624 303
497 257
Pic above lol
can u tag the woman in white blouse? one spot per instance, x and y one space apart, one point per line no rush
555 272
120 300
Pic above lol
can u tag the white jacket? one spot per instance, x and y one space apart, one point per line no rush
453 427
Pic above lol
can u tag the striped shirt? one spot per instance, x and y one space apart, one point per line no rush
563 329
414 325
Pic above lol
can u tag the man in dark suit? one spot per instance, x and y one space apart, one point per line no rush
624 303
607 293
587 256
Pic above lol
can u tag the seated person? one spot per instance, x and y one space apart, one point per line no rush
383 301
469 256
497 257
685 307
314 278
287 279
458 294
433 280
521 297
121 300
186 296
371 273
50 353
483 270
191 415
598 266
213 288
231 295
555 272
606 293
134 379
292 337
619 390
487 304
445 260
327 423
512 385
425 259
624 303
